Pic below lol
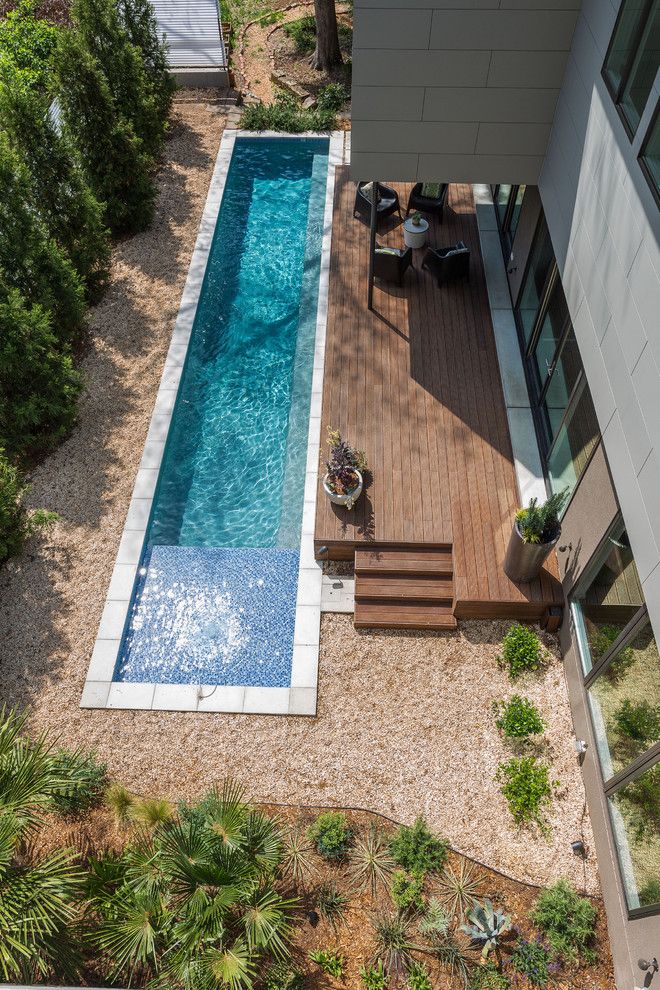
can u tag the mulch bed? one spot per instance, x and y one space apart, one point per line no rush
295 65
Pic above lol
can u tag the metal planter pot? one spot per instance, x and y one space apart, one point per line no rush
348 500
523 561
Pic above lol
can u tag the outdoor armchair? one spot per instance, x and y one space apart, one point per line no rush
391 264
449 263
434 204
387 202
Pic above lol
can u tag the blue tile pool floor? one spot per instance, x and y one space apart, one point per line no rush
213 616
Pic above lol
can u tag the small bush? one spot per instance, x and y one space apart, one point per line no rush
567 921
85 781
333 97
16 523
281 976
407 890
418 977
488 977
332 963
521 650
639 722
373 976
526 786
518 718
286 114
435 923
331 835
531 959
303 34
417 850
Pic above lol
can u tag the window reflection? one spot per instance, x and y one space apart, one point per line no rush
635 815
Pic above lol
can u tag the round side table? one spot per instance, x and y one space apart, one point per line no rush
414 235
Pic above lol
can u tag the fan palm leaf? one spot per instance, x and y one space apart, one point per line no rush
267 922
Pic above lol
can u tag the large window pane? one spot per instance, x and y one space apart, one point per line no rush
621 50
574 442
550 335
625 703
650 156
642 72
541 261
502 196
515 212
635 815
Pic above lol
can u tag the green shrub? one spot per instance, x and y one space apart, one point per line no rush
16 523
526 786
435 922
567 921
303 34
531 959
282 976
139 21
333 97
407 890
488 977
540 523
331 835
373 976
38 383
640 722
115 164
650 893
285 114
518 718
521 650
85 781
332 963
28 42
418 977
416 849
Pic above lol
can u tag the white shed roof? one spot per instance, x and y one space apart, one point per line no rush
193 32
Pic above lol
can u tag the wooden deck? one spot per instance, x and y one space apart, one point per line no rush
417 386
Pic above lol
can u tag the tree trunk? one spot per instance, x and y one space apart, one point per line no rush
327 52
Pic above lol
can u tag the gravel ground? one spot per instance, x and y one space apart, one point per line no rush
404 723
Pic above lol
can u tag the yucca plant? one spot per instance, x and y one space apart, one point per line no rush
487 926
459 889
332 904
297 861
193 903
394 940
454 959
370 862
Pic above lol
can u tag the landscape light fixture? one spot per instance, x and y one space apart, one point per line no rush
579 848
313 918
581 746
651 964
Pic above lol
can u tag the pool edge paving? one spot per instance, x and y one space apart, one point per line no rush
299 698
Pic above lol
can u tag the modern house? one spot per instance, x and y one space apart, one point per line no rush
553 109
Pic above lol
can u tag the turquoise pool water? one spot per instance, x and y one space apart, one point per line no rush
215 602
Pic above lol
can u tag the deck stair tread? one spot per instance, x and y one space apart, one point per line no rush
404 587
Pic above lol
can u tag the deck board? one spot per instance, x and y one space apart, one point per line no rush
417 386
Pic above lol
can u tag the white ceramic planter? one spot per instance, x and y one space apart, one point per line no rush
348 501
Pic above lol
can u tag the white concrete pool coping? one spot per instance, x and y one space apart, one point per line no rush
100 691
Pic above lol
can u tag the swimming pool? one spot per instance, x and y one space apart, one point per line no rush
214 598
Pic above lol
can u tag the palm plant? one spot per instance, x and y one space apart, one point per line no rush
487 927
370 862
459 890
192 903
39 901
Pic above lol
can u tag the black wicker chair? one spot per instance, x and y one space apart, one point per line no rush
387 204
391 264
426 204
449 263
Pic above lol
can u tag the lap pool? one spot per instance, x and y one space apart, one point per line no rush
214 596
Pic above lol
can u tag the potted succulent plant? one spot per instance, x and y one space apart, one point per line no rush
416 218
536 531
342 482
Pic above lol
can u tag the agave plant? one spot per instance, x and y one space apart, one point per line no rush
487 927
192 902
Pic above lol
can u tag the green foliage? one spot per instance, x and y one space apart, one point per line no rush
518 718
407 890
370 862
640 722
297 861
333 97
526 786
450 953
303 34
84 778
332 904
285 114
531 959
540 523
28 42
567 921
196 895
332 963
488 977
459 890
151 812
416 849
282 976
120 801
373 976
30 260
435 923
601 639
331 835
418 977
70 213
640 802
38 384
115 163
393 936
16 523
486 927
650 893
138 19
521 650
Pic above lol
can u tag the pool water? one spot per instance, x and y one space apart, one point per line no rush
215 599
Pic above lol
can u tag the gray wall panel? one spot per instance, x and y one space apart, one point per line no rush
378 28
387 103
512 139
490 103
442 167
540 70
372 67
502 30
423 137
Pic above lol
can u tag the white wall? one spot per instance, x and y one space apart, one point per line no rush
605 228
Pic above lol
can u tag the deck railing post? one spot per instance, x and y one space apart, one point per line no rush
372 242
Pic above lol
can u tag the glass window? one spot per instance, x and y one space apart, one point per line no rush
502 197
635 816
550 336
642 71
623 44
536 277
515 211
650 156
633 57
575 440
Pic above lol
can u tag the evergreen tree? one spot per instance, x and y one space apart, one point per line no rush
139 21
117 168
72 215
30 259
38 384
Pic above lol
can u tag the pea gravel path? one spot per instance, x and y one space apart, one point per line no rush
404 722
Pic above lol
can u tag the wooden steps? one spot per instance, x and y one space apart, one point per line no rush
404 588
